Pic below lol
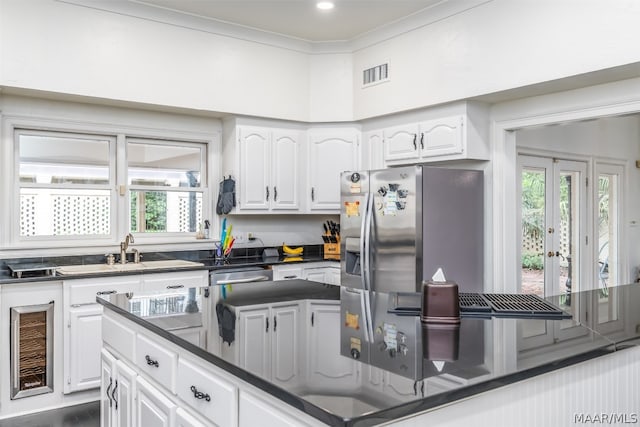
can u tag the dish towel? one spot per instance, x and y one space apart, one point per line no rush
226 196
226 323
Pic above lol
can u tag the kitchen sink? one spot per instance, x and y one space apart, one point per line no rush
66 270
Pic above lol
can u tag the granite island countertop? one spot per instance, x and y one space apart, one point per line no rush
468 364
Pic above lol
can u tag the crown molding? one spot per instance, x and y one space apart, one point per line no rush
422 18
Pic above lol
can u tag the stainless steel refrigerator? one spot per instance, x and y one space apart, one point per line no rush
399 226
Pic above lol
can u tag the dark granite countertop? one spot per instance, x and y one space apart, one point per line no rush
464 359
240 260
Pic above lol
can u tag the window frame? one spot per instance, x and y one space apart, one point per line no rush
203 187
139 127
18 186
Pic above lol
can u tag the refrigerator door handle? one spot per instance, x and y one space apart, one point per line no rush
365 309
367 242
363 247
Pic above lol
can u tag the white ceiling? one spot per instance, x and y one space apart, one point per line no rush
300 18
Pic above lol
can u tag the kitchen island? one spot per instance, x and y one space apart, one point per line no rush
278 363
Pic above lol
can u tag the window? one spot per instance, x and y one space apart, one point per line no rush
165 182
65 184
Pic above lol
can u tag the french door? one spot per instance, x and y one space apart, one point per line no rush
553 237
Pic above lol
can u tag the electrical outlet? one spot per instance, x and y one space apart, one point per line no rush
240 237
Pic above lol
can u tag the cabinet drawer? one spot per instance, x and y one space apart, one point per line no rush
156 361
214 398
118 336
187 279
85 291
287 273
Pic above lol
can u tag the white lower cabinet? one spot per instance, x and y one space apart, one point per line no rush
82 336
255 411
83 327
208 394
184 419
153 407
325 366
118 392
267 341
322 272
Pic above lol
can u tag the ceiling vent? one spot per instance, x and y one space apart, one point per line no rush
374 75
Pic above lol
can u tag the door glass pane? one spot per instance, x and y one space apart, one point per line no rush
533 241
533 231
607 245
569 279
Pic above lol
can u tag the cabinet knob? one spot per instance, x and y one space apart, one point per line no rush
200 395
151 362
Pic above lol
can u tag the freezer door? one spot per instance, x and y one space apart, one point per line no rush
354 187
395 249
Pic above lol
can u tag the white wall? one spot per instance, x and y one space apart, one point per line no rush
499 45
494 46
66 48
331 88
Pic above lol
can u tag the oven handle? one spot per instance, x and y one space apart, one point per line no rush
245 280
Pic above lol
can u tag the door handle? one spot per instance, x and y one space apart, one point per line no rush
275 193
267 188
422 140
415 137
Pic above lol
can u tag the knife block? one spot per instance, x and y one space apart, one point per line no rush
332 250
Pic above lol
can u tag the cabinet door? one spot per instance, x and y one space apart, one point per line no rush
123 395
315 274
329 156
332 276
82 359
285 348
152 407
442 136
285 170
401 143
254 329
183 419
254 185
326 366
255 411
372 150
107 416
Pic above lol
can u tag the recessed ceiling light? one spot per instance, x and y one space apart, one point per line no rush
324 5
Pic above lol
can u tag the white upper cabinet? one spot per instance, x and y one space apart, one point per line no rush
458 132
401 143
268 176
330 152
285 170
372 150
254 158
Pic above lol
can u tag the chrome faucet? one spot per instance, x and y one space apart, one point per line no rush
123 248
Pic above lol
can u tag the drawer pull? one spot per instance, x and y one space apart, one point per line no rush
200 395
289 277
151 362
106 292
175 286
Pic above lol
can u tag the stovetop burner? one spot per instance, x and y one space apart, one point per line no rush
484 305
